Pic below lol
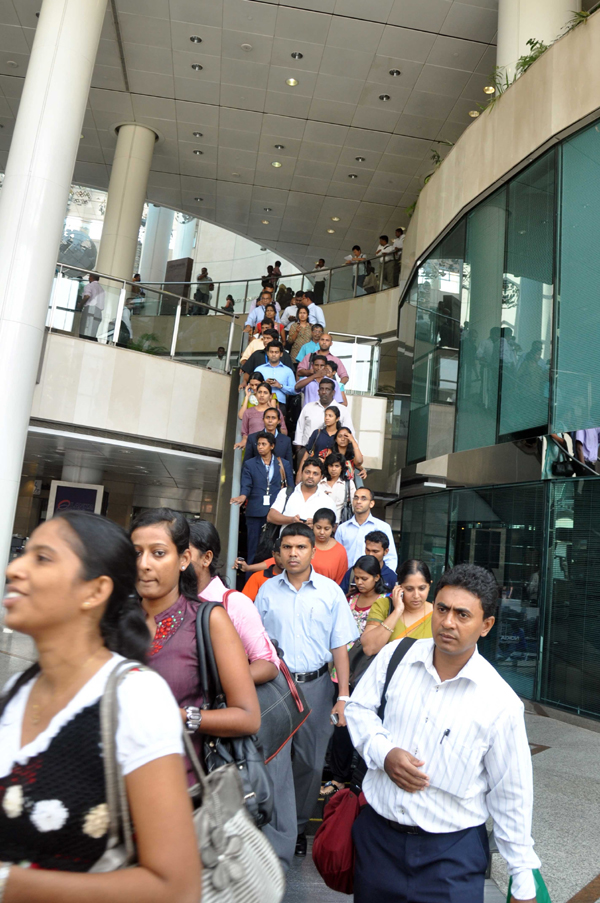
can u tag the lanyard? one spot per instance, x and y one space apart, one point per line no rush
269 469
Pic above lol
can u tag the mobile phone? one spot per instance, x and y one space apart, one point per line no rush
334 718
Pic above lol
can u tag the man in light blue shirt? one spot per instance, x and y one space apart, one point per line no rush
309 617
280 377
313 346
315 314
353 532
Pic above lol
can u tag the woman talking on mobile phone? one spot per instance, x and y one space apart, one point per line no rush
410 613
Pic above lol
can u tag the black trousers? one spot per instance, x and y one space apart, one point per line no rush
319 290
417 868
341 755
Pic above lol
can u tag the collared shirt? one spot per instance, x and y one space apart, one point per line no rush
254 305
312 417
307 623
384 250
311 391
398 243
470 733
305 363
316 315
216 363
95 295
257 316
283 375
352 537
298 505
245 619
289 312
589 440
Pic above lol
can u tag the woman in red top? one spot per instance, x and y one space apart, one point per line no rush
330 557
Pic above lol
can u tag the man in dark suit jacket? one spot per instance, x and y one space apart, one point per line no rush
283 444
261 481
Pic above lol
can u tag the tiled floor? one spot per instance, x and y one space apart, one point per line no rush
566 827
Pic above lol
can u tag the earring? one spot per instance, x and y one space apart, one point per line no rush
183 568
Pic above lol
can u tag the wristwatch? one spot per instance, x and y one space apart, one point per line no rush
343 699
193 718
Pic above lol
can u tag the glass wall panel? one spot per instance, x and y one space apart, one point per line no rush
571 675
527 300
577 403
502 529
437 335
425 532
482 342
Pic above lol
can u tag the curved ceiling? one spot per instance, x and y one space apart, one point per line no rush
331 124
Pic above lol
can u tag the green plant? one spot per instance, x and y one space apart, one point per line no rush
536 48
147 343
411 209
579 16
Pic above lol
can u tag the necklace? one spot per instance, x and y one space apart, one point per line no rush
37 709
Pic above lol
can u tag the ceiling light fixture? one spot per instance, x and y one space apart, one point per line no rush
279 146
276 164
198 200
195 39
197 134
395 73
331 231
246 47
296 55
384 97
197 67
335 219
265 222
360 159
13 64
352 175
198 153
473 114
268 209
489 89
235 174
292 82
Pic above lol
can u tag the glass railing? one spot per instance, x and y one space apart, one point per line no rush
360 356
341 283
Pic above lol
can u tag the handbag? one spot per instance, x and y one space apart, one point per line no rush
244 752
239 863
269 532
541 891
359 660
283 706
333 848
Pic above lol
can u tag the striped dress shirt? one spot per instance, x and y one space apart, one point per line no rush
470 732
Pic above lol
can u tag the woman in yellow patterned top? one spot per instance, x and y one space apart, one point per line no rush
406 613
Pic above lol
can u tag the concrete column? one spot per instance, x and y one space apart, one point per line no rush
155 253
185 233
32 209
125 201
520 20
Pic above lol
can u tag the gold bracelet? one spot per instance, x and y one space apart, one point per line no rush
385 627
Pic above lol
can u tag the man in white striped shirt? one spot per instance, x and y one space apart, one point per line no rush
451 751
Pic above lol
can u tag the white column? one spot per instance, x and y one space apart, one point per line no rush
185 233
520 20
155 252
125 201
32 209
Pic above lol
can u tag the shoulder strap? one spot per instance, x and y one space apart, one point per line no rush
210 684
399 653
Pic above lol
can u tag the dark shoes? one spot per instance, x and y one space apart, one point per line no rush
300 845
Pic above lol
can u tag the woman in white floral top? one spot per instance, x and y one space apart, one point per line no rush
370 587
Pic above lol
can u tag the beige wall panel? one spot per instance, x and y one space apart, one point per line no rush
372 315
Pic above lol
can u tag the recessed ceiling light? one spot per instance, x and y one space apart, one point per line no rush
296 55
331 231
268 209
352 175
198 153
198 200
473 114
265 222
489 89
335 219
13 64
246 47
384 97
360 159
276 164
235 174
195 39
197 134
279 146
197 67
395 73
292 82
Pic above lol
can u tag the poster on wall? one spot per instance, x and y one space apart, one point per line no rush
66 496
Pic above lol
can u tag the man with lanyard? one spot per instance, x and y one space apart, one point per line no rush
312 347
304 501
283 444
377 544
277 375
309 617
325 342
260 484
449 752
260 357
312 416
352 534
